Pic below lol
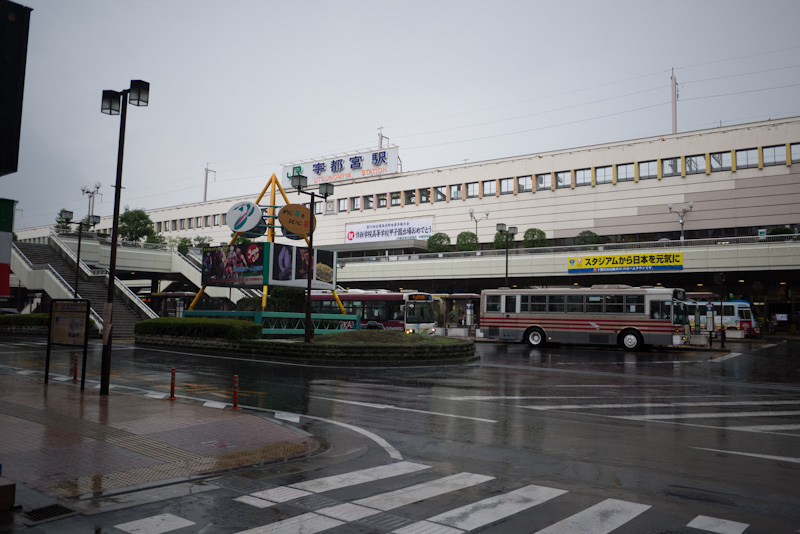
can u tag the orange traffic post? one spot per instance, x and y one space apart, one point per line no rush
235 393
172 387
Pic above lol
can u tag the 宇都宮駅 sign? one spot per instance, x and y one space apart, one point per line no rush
347 167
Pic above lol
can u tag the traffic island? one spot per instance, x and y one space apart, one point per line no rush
357 347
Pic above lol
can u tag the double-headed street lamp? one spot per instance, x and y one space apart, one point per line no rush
681 214
472 216
116 103
91 192
300 182
92 221
510 231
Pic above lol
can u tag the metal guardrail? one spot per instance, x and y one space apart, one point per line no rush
68 251
134 298
288 323
605 247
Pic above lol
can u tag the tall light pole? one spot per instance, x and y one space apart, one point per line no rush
510 231
116 103
681 214
89 192
92 220
472 216
300 182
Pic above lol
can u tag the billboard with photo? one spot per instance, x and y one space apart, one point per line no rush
234 265
288 266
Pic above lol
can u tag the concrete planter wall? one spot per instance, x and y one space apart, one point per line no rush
459 351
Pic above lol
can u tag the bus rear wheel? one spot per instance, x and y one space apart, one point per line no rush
631 340
534 337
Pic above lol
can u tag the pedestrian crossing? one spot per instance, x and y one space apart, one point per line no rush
603 517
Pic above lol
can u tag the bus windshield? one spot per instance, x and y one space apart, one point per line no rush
419 312
680 314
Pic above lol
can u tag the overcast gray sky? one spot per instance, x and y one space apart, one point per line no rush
249 85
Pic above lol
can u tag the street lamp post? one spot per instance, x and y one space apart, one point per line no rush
681 214
509 231
92 221
472 216
300 182
116 103
89 192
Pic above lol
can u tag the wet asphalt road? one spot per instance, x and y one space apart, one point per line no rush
682 433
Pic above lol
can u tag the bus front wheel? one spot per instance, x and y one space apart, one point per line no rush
631 340
535 337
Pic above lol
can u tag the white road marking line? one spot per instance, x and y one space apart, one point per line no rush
60 378
157 524
493 509
286 416
490 397
720 415
155 395
764 428
309 523
768 345
363 476
601 518
27 372
425 527
215 404
280 494
391 451
390 407
659 405
254 501
419 492
348 512
726 357
719 526
752 455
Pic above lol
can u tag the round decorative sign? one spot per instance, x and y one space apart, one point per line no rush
244 216
297 219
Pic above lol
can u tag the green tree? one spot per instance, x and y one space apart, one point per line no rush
467 241
587 237
135 225
201 241
183 245
534 237
61 220
439 242
155 238
781 230
500 241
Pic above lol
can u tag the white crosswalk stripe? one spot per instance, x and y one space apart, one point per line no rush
601 518
419 492
319 485
720 526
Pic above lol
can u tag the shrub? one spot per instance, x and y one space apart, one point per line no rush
467 241
587 237
534 237
28 319
199 327
439 242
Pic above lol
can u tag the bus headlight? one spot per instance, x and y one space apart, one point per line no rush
409 331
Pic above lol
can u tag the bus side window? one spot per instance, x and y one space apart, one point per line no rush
511 304
492 303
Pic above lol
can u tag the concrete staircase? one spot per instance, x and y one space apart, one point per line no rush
92 288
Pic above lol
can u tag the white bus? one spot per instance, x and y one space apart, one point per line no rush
602 314
409 311
728 315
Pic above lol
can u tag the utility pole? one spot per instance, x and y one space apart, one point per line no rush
205 187
674 84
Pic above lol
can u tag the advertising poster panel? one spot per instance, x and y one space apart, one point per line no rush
393 230
288 266
672 261
69 321
234 265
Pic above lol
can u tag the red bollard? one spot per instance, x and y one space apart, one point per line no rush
75 370
172 387
235 393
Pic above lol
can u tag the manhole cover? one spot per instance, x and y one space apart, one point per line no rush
46 513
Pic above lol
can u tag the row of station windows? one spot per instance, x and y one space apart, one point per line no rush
610 174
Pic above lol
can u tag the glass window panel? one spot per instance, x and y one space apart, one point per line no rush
317 208
395 197
720 161
563 179
774 155
489 188
574 303
342 204
603 175
614 303
369 201
492 303
671 167
507 186
440 193
472 190
746 159
455 192
594 304
524 184
583 177
543 181
647 170
555 303
382 200
510 304
634 303
625 172
355 203
424 195
795 148
695 164
410 197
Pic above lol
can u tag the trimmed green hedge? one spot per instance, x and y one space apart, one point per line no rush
28 319
199 327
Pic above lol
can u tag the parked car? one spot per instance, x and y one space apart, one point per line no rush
8 311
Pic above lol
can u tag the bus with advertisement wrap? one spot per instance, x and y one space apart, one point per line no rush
631 317
409 311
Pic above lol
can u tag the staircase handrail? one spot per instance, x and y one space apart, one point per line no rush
54 234
134 298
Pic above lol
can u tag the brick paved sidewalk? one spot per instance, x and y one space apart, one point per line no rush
65 443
